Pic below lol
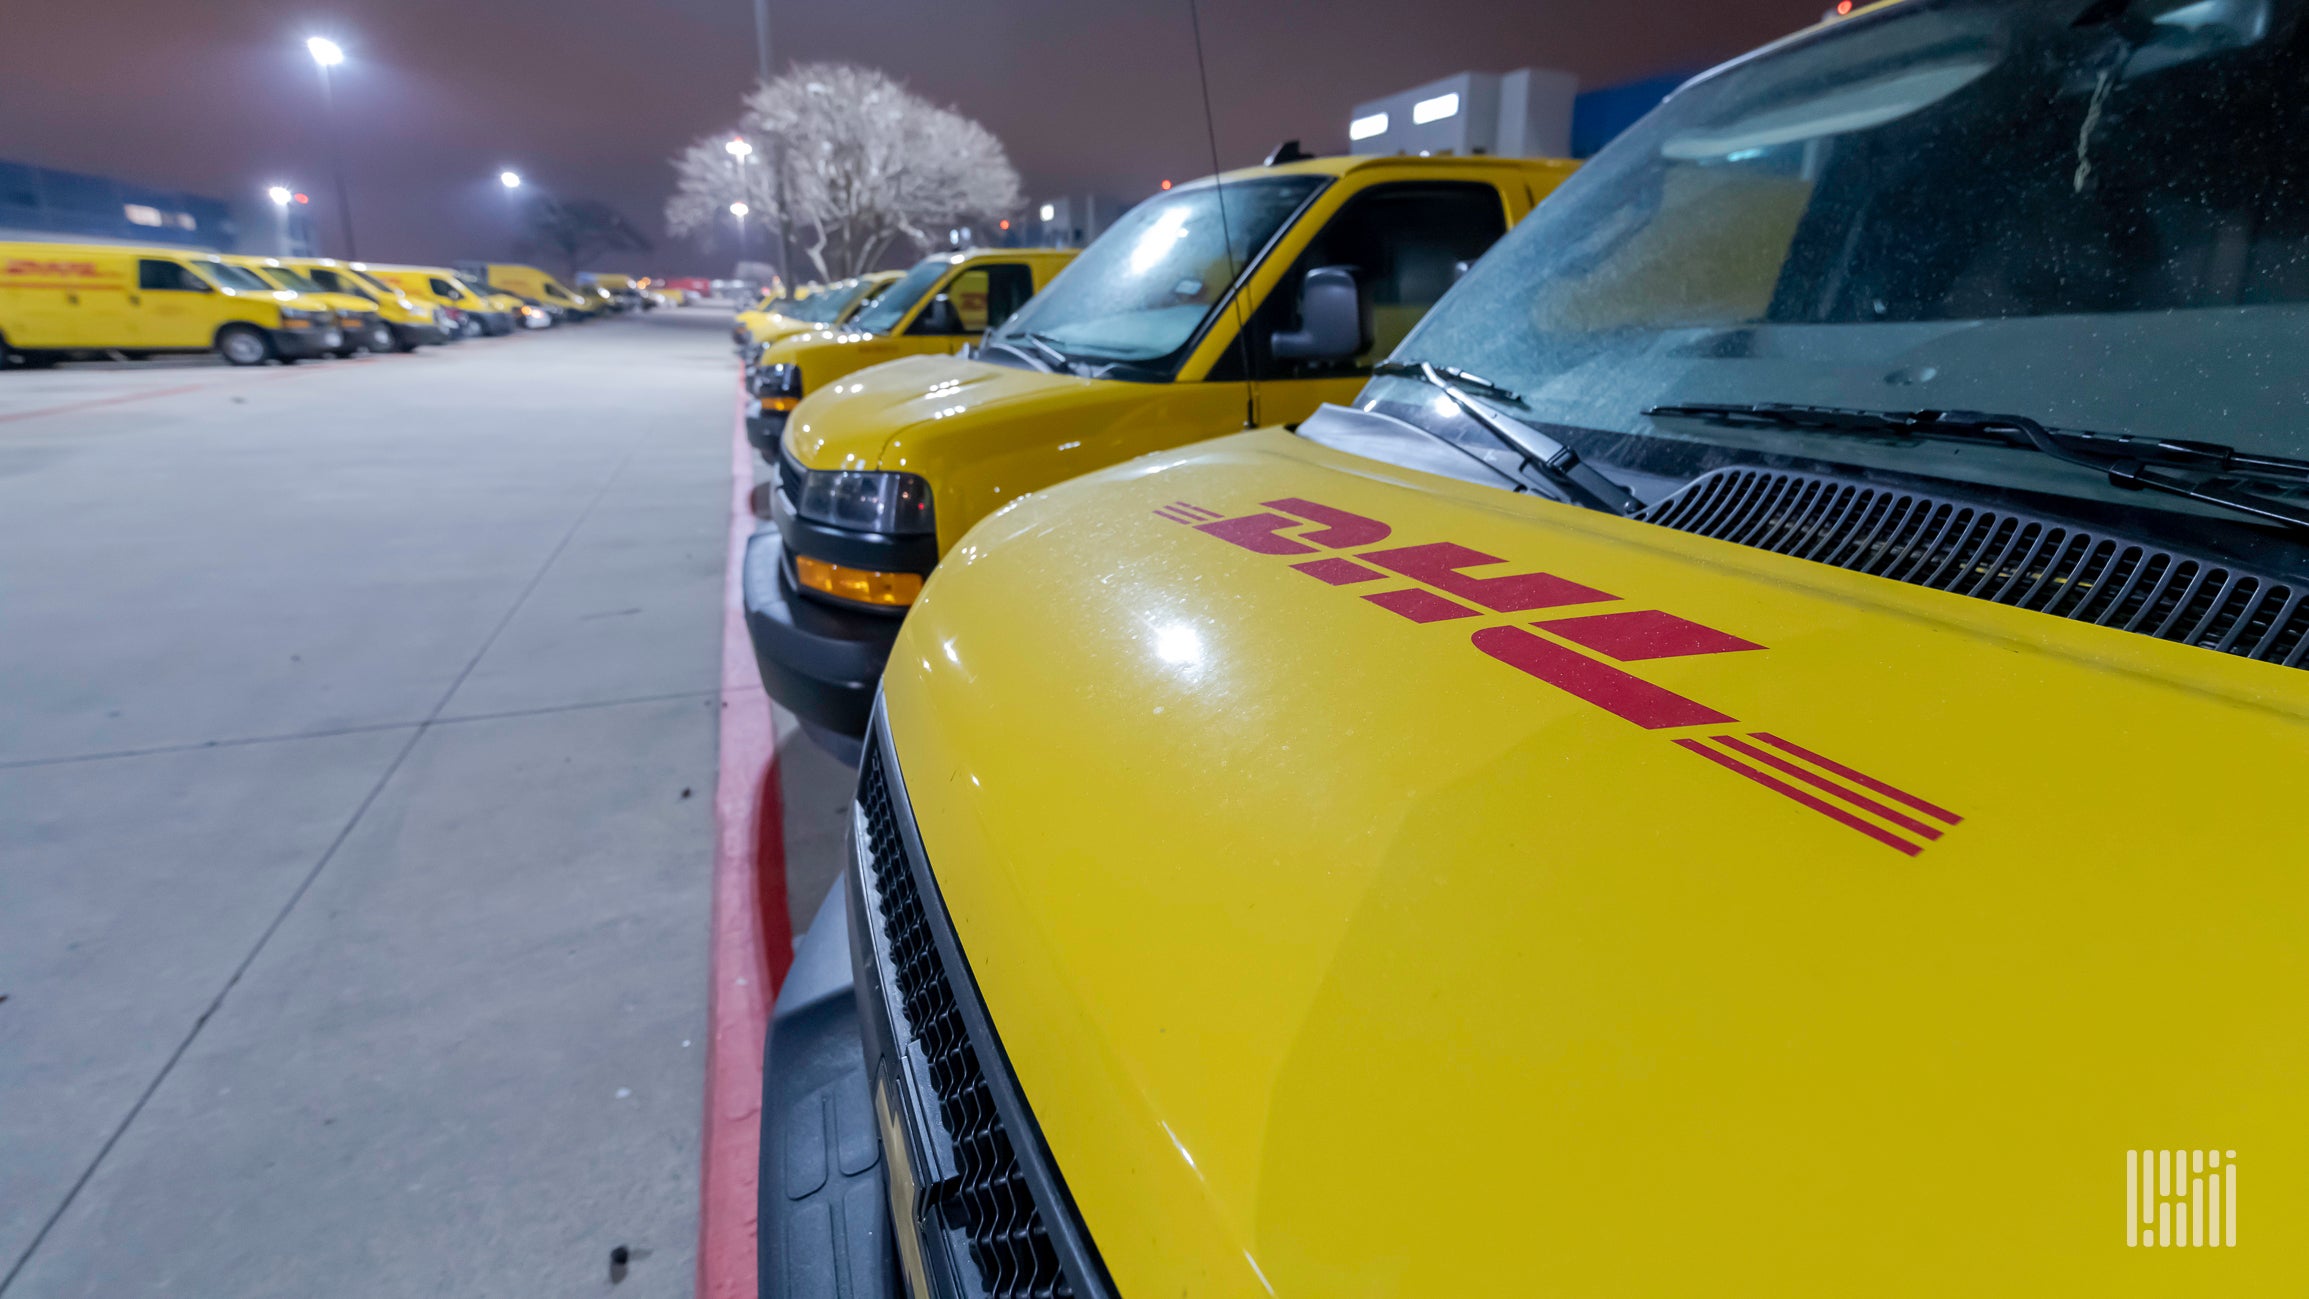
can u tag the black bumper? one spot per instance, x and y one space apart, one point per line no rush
300 344
496 323
821 662
417 335
764 428
824 1225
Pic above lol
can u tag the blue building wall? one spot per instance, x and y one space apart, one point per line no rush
1598 115
73 205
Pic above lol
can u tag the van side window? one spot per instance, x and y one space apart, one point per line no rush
1406 243
153 273
443 288
985 296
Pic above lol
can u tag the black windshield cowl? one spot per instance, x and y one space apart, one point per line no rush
2128 462
1548 458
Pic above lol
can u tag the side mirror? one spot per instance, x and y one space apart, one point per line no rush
1334 319
939 317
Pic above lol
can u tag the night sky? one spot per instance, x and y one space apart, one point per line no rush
590 97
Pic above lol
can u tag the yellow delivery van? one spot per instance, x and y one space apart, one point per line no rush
413 323
1758 757
65 300
1161 333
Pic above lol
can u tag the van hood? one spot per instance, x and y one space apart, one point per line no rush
338 302
900 415
1747 927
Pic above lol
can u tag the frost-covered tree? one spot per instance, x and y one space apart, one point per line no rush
861 165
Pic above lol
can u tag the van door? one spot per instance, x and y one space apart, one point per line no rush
981 298
1407 243
173 306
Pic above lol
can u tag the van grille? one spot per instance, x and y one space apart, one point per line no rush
1999 556
988 1198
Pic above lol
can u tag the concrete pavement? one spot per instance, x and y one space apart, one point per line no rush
355 822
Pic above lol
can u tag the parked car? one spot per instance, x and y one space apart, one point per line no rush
65 300
471 310
356 317
830 305
943 304
1161 333
1784 696
413 323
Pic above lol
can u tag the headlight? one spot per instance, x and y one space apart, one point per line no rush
778 388
867 501
299 313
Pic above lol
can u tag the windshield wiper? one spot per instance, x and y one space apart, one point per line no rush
1460 380
2128 461
1552 460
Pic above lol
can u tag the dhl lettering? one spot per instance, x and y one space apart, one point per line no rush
1842 794
57 270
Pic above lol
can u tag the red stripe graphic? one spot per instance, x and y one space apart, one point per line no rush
1345 529
1597 682
1818 781
1420 606
1860 778
1645 634
1197 510
1256 533
1824 808
1438 564
1174 515
1339 572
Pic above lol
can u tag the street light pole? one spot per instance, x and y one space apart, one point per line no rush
511 180
282 195
328 54
740 211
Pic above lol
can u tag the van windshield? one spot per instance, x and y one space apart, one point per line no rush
827 305
892 307
236 277
292 279
2092 213
1141 292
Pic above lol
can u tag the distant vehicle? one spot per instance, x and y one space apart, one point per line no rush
530 284
621 290
413 323
442 287
827 305
945 303
69 300
356 317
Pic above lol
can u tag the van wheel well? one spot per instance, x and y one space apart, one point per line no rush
243 344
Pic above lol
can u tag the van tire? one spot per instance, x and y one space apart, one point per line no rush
380 339
243 345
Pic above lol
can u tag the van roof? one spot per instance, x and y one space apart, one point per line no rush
1342 164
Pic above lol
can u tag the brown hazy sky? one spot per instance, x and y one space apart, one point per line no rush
589 97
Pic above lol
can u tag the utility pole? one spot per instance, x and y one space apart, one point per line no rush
328 54
777 149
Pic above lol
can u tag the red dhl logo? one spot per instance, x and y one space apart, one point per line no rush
1577 655
52 270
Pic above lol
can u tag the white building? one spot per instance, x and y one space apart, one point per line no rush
1520 114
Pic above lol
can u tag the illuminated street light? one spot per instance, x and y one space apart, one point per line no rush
739 148
509 179
281 194
328 54
740 210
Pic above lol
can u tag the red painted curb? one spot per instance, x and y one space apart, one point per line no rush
752 940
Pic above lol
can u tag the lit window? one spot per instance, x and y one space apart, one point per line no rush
1363 128
139 214
184 221
1436 109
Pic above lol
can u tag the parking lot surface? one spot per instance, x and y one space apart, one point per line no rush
355 817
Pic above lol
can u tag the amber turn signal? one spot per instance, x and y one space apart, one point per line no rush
779 405
893 590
